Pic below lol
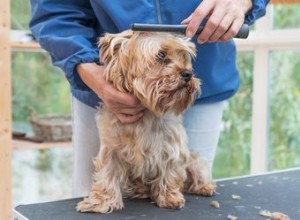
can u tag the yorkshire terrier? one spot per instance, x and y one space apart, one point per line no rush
149 158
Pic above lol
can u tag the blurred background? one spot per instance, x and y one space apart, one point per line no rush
45 174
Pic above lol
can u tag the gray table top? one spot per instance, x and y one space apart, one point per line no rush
276 192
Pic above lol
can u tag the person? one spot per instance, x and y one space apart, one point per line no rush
69 31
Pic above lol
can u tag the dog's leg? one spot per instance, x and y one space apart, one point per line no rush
102 200
170 199
198 178
139 189
167 192
105 195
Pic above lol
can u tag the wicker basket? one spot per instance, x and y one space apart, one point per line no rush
52 128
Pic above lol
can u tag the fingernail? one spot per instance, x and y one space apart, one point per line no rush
201 41
189 34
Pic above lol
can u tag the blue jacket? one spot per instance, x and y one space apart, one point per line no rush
69 29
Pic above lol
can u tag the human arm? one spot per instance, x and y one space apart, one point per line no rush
225 18
126 108
69 31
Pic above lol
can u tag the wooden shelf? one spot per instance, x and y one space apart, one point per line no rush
27 145
285 1
25 45
23 40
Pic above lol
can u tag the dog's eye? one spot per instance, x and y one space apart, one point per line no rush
161 56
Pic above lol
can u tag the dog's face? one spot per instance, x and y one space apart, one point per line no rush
154 67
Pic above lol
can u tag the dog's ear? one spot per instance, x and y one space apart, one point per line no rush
110 45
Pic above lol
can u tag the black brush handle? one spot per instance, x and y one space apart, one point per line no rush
181 28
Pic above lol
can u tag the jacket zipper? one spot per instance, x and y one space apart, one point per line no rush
158 12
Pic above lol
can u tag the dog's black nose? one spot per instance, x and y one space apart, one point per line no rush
186 75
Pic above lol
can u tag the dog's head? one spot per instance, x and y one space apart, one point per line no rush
154 67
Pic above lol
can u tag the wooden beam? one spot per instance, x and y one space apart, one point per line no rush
260 107
32 46
281 40
26 145
5 113
285 1
22 40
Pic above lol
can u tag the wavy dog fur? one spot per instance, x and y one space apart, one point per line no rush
149 158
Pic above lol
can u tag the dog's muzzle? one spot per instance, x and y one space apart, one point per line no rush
186 75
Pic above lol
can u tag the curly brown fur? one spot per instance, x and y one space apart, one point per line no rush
149 158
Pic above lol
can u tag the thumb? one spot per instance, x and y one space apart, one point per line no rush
187 20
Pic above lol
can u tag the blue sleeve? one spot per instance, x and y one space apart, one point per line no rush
258 10
68 31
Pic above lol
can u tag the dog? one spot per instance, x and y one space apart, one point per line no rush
149 158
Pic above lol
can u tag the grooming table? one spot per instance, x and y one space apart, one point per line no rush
275 192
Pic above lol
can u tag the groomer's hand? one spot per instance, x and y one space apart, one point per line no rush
126 107
225 18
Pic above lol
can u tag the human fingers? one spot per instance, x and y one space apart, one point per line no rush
126 100
128 119
197 17
187 20
225 19
233 18
119 102
126 107
222 28
212 25
233 30
118 109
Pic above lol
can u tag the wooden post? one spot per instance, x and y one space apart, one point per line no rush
5 113
285 1
260 107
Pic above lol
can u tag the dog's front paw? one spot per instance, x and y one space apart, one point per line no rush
98 205
171 201
202 189
207 189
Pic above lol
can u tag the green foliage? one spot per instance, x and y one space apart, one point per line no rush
233 152
38 85
20 11
233 155
286 16
284 139
44 160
